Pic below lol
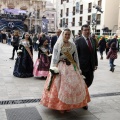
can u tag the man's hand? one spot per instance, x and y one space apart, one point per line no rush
95 68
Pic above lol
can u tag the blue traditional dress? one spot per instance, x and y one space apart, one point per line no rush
24 63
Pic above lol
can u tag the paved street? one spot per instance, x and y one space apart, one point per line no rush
103 106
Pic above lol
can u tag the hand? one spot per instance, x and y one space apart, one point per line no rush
49 55
95 68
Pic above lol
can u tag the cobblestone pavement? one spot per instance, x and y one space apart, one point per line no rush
103 106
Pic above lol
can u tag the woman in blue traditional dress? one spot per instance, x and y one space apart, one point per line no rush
24 63
42 65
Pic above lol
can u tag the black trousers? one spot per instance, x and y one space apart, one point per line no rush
15 48
89 76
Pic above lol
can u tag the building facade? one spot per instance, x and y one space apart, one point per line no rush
50 14
34 10
74 13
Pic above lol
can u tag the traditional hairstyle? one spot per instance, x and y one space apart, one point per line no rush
42 40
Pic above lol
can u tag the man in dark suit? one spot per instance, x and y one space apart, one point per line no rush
54 38
87 54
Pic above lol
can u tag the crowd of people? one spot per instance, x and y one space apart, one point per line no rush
111 47
65 62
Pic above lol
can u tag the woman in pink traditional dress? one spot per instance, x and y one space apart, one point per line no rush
68 89
42 65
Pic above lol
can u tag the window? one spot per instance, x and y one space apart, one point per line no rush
98 18
62 1
81 9
74 10
61 23
80 21
67 11
73 32
100 3
79 32
47 14
67 1
67 21
52 15
61 13
97 32
73 22
52 22
89 7
89 19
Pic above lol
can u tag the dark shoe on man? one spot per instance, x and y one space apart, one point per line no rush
85 107
113 69
11 58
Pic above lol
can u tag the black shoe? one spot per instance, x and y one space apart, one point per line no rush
110 69
11 58
85 107
113 69
114 65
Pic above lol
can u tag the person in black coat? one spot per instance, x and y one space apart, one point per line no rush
87 54
4 37
107 44
54 39
15 44
102 46
0 36
115 40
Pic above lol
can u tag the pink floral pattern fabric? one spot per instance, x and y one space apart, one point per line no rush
68 90
39 73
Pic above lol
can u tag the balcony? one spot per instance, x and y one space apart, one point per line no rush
98 22
80 23
60 24
73 23
60 15
88 22
73 12
67 14
89 10
81 11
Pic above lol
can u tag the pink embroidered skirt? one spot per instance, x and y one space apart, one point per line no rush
43 71
68 90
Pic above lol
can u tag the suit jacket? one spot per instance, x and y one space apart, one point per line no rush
87 59
53 41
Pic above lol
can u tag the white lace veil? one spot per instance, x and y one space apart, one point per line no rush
57 49
60 39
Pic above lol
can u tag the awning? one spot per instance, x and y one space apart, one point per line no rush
14 11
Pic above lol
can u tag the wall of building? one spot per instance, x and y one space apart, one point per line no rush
32 6
51 16
111 14
109 18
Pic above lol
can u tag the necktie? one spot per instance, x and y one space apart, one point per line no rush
89 44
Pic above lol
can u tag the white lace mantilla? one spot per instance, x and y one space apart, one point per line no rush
25 43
